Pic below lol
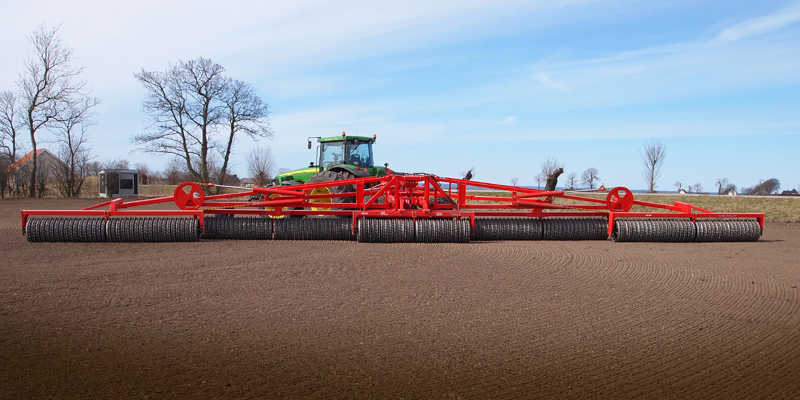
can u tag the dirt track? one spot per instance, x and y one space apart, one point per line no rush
250 319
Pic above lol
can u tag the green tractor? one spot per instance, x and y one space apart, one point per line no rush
338 157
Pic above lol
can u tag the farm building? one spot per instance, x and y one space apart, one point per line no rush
119 182
247 182
19 173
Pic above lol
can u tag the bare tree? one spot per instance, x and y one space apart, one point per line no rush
22 179
48 86
119 163
469 174
144 173
246 113
174 173
721 183
154 178
189 105
8 138
767 187
698 187
652 159
93 168
539 179
74 152
9 124
589 177
261 165
183 103
514 181
5 163
44 175
727 189
679 185
551 170
571 179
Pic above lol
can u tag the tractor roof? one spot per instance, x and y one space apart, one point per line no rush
345 138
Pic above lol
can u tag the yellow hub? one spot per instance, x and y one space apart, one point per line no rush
272 196
321 191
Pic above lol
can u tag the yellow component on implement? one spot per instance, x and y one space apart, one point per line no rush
321 191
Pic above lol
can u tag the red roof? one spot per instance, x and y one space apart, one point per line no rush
24 160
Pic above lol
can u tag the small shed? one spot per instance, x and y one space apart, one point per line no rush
119 182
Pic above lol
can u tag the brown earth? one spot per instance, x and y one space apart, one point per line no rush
261 319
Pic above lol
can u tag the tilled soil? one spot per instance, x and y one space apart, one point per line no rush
318 319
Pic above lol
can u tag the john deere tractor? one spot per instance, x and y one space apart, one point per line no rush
338 157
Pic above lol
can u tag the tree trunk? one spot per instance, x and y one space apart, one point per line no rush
32 190
226 158
552 180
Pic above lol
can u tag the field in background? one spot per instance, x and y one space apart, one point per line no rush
156 190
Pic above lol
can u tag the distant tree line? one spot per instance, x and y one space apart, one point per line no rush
652 157
767 187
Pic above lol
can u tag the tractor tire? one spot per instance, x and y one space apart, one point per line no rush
330 176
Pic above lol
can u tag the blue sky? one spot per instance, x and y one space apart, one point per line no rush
446 85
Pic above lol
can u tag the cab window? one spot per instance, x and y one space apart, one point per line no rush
331 154
360 154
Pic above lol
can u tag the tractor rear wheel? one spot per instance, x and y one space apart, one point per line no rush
331 176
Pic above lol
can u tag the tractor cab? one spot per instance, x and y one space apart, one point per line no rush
348 156
353 150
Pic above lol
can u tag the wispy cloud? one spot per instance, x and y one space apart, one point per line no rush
546 80
667 72
510 120
757 26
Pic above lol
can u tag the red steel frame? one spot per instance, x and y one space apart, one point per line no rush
397 196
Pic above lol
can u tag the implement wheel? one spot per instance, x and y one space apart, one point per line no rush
188 196
619 199
330 176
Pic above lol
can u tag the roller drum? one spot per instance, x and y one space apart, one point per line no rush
385 230
489 229
65 230
239 228
557 228
152 230
653 230
33 230
728 230
442 230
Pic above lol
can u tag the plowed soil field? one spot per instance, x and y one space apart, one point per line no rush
325 320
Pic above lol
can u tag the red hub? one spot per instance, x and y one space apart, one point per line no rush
619 199
189 196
